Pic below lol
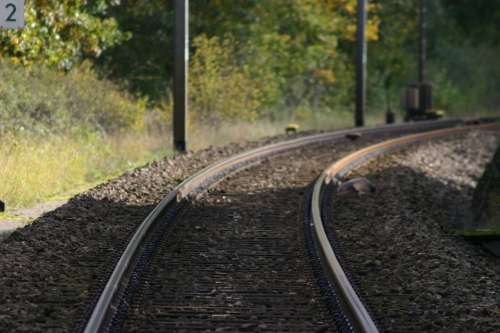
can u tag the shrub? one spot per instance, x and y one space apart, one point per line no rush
219 88
42 100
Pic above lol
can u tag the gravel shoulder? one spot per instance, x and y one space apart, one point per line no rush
21 217
415 273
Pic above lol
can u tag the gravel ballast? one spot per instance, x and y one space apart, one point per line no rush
53 268
414 271
231 261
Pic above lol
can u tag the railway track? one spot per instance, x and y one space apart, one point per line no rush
205 264
326 242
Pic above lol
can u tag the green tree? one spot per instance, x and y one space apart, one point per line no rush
289 47
59 33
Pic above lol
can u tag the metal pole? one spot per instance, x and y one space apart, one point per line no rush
422 41
361 59
181 60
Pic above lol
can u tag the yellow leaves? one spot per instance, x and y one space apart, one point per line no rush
325 75
373 24
350 32
372 29
344 13
59 33
351 7
15 40
219 87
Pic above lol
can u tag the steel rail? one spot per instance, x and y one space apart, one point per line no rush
104 305
356 310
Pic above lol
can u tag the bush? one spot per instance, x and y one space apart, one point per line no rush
41 100
219 88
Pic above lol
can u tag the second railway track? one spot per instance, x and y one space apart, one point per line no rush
329 249
234 258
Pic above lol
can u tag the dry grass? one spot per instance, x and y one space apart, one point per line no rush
35 169
202 136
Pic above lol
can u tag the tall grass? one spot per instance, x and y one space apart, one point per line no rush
34 169
204 135
62 132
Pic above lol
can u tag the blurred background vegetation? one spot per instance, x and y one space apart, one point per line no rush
86 85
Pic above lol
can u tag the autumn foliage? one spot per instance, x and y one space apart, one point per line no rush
59 33
266 59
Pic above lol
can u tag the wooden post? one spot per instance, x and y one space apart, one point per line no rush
181 61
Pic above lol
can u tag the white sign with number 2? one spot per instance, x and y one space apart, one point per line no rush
11 14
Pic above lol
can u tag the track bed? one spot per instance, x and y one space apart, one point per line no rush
235 259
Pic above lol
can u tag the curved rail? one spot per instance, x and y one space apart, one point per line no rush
357 312
104 305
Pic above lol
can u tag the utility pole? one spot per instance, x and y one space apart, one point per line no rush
361 59
181 61
422 41
425 88
417 98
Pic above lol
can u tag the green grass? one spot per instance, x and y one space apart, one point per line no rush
204 135
35 169
63 133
